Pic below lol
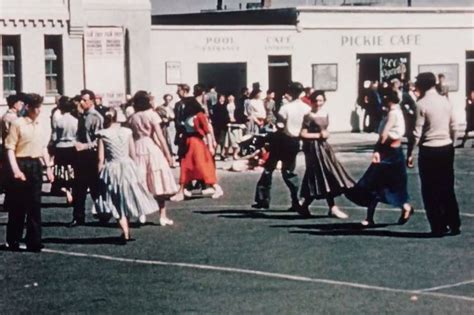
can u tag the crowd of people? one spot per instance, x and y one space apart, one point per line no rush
124 156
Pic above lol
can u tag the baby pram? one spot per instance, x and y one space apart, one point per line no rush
251 143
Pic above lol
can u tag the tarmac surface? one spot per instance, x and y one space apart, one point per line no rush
223 257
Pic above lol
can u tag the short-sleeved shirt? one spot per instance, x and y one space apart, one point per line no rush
7 119
142 123
27 138
292 115
89 124
64 131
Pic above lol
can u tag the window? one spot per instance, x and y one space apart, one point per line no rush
53 64
11 64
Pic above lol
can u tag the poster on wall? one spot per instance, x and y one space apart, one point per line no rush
393 67
173 72
450 71
104 63
325 77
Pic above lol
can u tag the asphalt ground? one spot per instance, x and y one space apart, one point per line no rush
223 257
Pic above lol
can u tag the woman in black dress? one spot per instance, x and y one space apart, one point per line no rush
325 177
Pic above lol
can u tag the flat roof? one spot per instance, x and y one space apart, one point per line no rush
286 16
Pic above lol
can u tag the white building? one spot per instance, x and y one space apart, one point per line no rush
113 47
330 48
61 46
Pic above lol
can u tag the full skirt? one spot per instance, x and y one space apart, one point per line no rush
122 193
383 182
324 176
154 169
198 163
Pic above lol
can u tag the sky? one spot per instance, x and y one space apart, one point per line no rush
186 6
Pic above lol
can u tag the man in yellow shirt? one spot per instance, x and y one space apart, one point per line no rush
27 154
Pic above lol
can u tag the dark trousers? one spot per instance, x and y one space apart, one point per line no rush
437 187
25 200
86 176
285 150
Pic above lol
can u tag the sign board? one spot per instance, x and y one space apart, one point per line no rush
393 67
450 71
173 72
325 77
104 63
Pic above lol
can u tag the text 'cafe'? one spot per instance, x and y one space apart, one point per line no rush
331 48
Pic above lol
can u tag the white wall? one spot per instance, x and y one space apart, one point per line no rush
430 38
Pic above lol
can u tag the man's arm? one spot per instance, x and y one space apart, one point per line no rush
48 164
452 125
414 139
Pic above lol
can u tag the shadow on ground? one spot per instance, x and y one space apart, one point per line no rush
256 214
117 240
353 229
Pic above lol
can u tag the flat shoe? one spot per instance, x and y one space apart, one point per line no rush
166 221
367 222
337 213
218 193
406 214
177 197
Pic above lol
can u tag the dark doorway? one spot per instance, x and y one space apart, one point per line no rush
383 67
228 78
469 72
279 75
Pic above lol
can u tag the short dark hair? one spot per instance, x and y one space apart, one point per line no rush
295 89
13 98
315 94
254 93
33 100
392 97
65 104
141 101
198 89
166 95
425 81
88 92
184 87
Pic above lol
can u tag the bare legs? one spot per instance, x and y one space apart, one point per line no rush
164 220
123 222
407 211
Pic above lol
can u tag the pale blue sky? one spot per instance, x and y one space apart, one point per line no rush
186 6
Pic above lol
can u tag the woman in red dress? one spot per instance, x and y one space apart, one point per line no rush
198 161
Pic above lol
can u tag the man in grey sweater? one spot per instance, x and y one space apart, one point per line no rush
435 133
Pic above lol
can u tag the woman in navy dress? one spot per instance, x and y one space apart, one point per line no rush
386 178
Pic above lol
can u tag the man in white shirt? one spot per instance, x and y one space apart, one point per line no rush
284 147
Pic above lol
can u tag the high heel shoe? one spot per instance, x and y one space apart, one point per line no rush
405 216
